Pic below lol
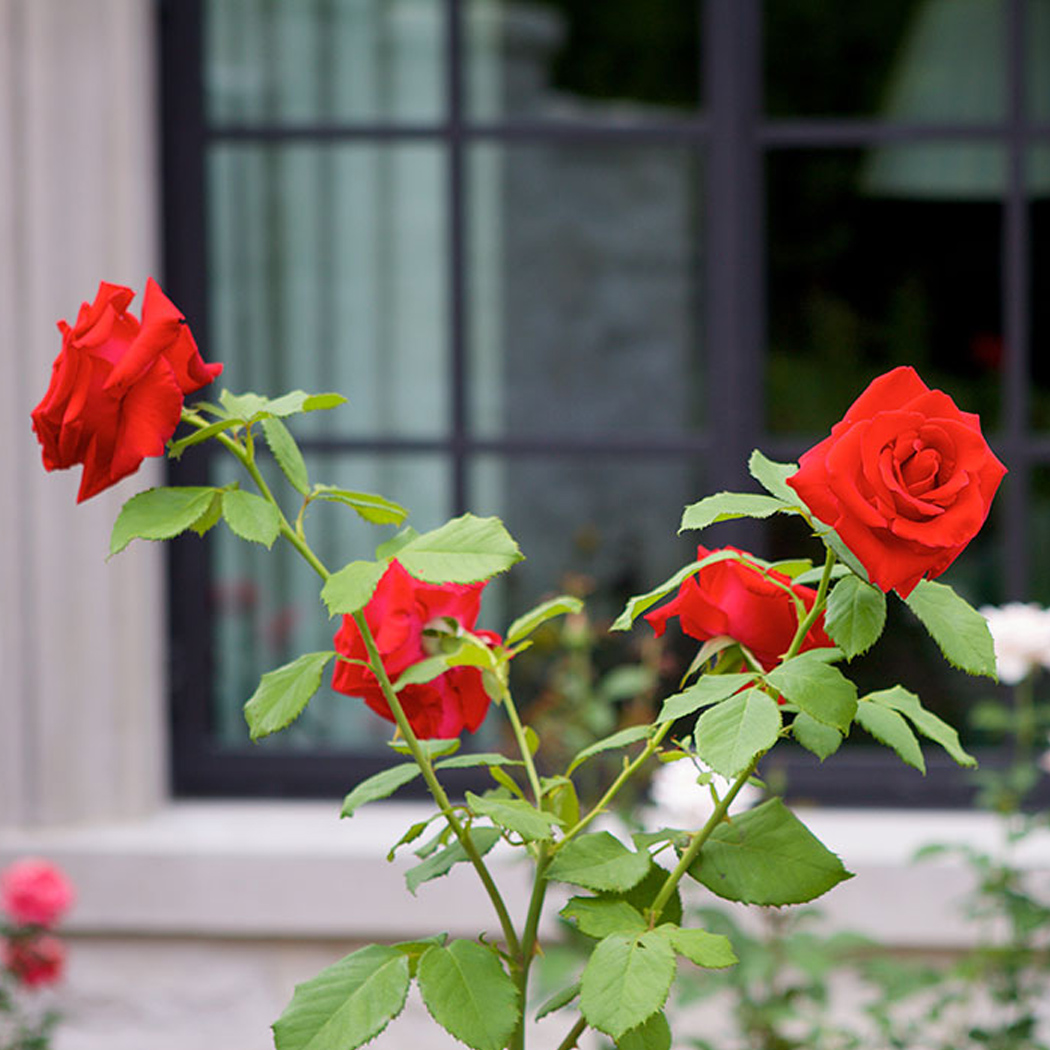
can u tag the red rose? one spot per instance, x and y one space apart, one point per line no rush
398 613
744 601
34 961
34 892
906 480
117 386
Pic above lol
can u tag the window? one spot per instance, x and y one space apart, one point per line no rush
571 263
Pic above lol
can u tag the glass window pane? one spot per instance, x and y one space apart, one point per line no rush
1039 215
578 60
1037 36
876 260
317 61
900 60
585 301
265 604
328 272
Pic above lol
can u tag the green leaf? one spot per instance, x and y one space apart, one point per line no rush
464 550
600 916
525 624
515 815
468 993
729 736
725 506
380 785
376 509
478 758
819 689
815 736
855 615
323 402
444 860
641 895
286 452
710 689
389 548
959 630
251 517
282 694
766 855
890 728
558 1000
159 514
351 587
432 748
626 981
176 448
772 476
347 1004
243 407
598 861
926 722
212 516
621 738
653 1034
710 950
641 602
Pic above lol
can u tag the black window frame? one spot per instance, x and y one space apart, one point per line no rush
735 137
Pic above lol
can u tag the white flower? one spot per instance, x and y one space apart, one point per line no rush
680 802
1021 632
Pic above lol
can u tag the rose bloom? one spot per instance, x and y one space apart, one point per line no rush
741 600
398 613
1021 633
906 480
117 386
34 892
34 961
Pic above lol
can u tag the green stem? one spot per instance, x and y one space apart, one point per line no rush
523 745
626 773
529 939
697 843
814 613
573 1038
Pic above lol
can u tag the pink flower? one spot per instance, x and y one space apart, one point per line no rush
33 892
34 961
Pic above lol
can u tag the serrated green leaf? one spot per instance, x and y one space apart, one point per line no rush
855 615
444 860
558 1000
478 758
389 548
282 694
890 728
352 587
598 861
159 514
772 476
243 407
766 855
819 689
600 916
380 785
708 690
286 452
251 517
726 506
959 630
815 736
176 448
641 895
413 833
425 671
375 509
653 1034
323 402
641 602
713 951
515 815
211 517
469 994
525 624
621 738
436 747
467 549
626 981
347 1004
729 736
926 722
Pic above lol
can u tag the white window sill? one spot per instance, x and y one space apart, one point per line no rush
294 869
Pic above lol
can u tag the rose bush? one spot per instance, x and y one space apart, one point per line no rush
34 961
744 601
906 479
400 614
34 892
117 386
